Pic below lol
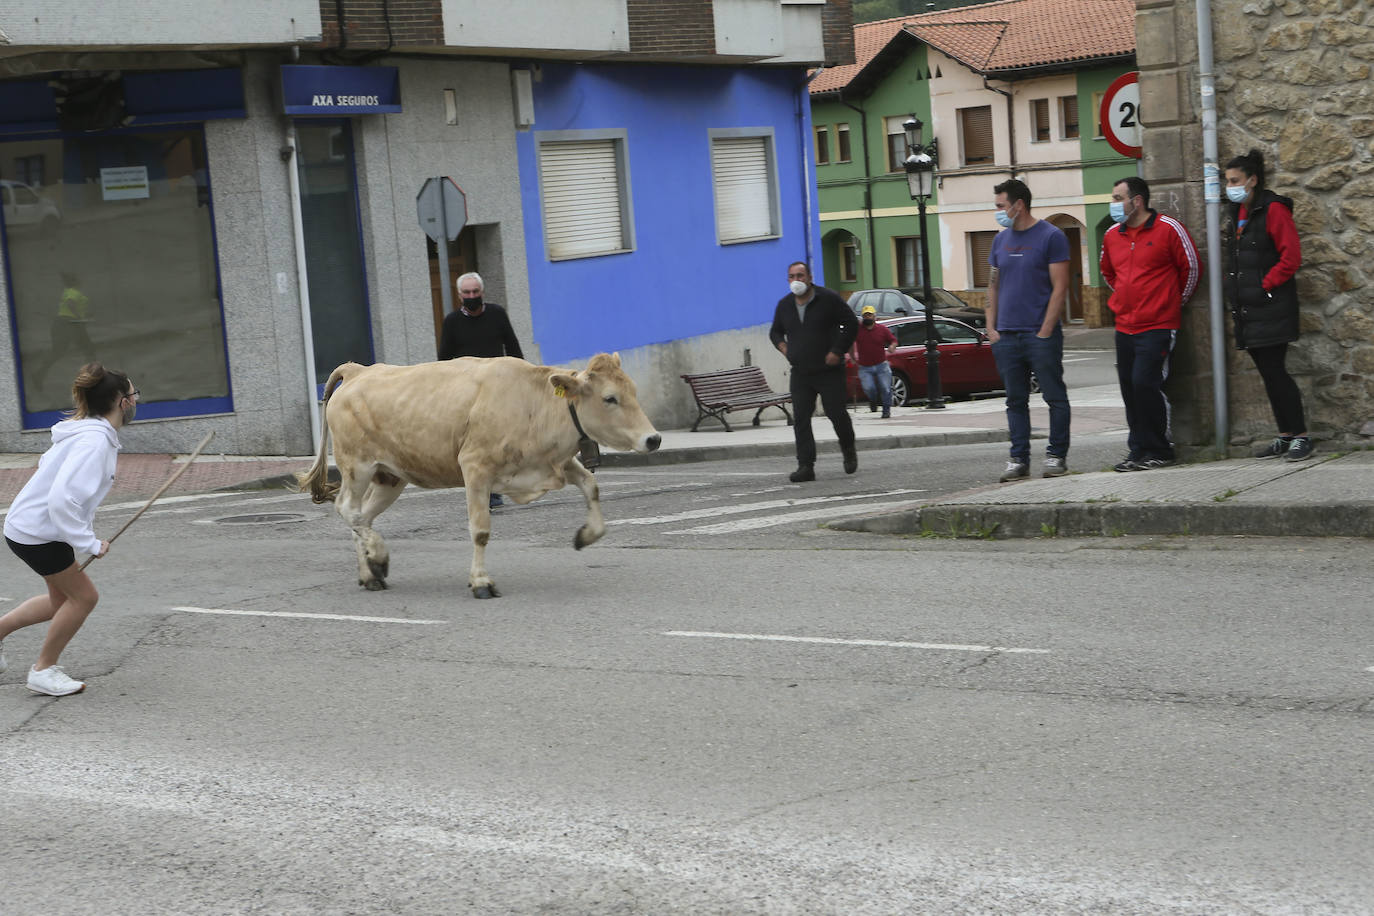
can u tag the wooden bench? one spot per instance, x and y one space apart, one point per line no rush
745 388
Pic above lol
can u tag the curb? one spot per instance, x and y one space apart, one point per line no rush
1120 520
708 453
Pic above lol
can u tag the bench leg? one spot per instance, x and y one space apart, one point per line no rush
703 413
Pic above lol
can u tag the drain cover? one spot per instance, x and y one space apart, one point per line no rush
269 518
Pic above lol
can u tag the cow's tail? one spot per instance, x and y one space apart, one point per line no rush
316 480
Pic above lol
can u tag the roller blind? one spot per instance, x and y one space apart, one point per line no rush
742 176
582 190
1040 118
980 246
976 125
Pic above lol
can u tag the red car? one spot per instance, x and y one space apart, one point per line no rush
966 363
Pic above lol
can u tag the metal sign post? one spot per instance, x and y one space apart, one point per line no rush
442 209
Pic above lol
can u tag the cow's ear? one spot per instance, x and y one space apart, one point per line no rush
616 357
565 384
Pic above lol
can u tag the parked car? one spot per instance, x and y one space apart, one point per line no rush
951 306
25 208
901 303
966 363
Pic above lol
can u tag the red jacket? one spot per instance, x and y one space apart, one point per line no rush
1152 270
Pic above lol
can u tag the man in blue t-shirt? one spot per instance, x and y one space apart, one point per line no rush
1026 293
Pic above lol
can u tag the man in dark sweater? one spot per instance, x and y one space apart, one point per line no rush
477 328
813 327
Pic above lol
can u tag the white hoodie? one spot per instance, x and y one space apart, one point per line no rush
59 501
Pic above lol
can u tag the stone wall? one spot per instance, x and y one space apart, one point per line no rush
1293 80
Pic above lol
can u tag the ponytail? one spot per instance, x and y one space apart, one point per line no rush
1252 164
97 390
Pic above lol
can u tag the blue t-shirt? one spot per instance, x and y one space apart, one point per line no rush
1023 262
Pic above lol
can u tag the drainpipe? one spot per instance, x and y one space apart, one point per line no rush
803 112
1011 120
868 192
1211 184
289 154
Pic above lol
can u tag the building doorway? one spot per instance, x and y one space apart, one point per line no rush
462 258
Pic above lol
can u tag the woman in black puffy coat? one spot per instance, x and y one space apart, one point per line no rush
1263 255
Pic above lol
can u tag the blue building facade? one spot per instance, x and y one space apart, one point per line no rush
690 265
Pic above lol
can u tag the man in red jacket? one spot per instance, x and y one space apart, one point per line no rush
1151 264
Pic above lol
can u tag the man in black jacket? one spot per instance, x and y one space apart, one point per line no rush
477 328
813 327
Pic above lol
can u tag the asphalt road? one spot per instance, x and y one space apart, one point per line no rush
720 708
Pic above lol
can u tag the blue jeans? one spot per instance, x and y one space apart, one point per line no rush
877 377
1018 354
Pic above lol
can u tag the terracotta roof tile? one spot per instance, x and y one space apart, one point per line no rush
1004 35
869 39
1014 34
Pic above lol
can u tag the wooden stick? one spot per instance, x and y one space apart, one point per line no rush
171 480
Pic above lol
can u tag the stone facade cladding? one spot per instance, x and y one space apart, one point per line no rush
1293 79
672 27
837 31
375 25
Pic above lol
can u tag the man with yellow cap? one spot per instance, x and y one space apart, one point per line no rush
871 348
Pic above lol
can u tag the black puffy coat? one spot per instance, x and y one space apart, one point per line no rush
1262 318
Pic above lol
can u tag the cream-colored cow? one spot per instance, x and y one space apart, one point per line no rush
488 425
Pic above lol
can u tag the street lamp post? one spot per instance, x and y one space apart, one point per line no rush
921 162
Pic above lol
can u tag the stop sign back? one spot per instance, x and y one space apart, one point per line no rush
1120 115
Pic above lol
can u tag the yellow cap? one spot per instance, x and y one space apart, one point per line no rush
869 310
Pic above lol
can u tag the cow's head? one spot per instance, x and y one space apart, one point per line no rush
607 405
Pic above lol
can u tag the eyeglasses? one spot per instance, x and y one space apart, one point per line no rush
132 394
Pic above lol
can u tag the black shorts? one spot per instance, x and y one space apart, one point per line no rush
44 559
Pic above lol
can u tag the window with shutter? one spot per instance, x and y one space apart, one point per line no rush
896 143
842 138
584 192
975 128
1040 120
1068 116
1097 115
907 261
745 182
822 146
980 246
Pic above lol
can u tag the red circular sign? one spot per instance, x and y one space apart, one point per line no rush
1120 115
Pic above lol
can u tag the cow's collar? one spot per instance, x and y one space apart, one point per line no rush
588 452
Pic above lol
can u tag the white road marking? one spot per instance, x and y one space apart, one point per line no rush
211 610
754 507
753 524
829 641
1080 359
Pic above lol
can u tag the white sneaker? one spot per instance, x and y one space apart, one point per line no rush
53 682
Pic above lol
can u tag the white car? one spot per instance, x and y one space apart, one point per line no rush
25 208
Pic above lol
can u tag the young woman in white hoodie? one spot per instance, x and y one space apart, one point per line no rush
52 519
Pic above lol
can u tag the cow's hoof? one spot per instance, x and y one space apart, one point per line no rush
485 591
374 585
380 569
583 538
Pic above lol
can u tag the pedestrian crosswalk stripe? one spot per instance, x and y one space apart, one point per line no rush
741 508
770 521
832 641
349 617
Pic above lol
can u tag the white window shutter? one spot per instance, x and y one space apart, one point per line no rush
581 188
744 205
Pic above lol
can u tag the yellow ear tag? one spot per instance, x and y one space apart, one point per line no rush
559 391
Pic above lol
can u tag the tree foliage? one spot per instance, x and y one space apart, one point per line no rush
871 10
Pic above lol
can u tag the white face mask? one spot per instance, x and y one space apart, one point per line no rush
1237 193
798 288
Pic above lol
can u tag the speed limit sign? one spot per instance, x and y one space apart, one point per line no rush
1120 115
